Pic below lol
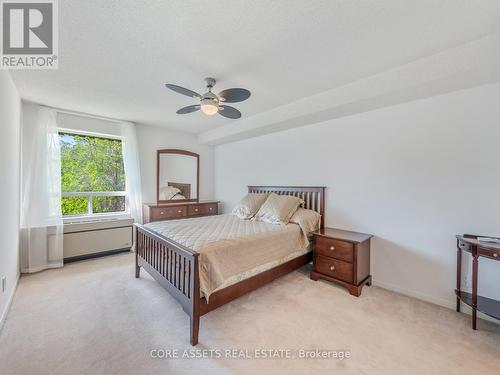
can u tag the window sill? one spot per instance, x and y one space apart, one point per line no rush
95 218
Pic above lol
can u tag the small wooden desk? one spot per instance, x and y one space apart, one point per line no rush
470 244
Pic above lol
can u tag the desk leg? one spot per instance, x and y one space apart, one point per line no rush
474 289
459 273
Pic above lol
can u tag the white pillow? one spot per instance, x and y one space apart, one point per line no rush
249 205
178 196
168 192
308 220
278 209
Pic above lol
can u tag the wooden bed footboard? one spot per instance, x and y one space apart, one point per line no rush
175 267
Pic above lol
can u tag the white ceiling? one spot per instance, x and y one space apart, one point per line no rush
115 56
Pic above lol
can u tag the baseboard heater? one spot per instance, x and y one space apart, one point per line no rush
90 239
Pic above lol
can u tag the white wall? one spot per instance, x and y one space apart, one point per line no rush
10 109
414 175
152 138
149 139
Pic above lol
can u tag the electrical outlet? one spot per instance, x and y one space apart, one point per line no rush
4 284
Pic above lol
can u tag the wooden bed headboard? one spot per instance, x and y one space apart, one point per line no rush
313 196
184 188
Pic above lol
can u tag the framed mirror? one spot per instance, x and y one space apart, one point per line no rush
177 177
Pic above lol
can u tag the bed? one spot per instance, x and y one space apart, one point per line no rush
174 191
205 262
184 188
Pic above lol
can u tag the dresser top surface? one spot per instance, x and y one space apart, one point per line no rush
179 203
343 235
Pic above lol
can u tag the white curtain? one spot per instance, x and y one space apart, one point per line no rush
132 170
41 239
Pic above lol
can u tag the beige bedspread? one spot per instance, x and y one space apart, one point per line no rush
230 247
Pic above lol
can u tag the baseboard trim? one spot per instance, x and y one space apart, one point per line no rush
449 304
417 295
96 255
3 318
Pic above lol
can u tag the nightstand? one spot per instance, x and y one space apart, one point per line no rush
343 257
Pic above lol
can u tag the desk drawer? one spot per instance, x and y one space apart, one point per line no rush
334 268
493 254
165 213
202 209
335 249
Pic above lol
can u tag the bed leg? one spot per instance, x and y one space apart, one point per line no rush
194 316
195 328
137 267
137 271
136 248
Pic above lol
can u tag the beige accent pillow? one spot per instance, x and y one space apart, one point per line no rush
249 205
308 220
278 209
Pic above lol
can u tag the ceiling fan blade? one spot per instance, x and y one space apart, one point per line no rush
183 90
188 109
229 112
234 95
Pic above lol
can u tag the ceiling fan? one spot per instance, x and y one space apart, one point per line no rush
210 103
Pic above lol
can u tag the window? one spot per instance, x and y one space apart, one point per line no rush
92 175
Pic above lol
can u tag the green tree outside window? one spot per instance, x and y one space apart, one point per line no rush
91 164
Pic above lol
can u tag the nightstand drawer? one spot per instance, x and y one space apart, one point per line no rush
334 248
159 213
202 209
334 268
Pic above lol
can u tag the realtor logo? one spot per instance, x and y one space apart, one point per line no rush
29 34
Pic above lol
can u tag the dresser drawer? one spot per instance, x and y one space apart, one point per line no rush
493 254
337 269
202 209
164 213
334 248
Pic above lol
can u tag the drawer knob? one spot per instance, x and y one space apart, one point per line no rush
161 212
196 209
495 255
180 211
332 268
210 208
332 248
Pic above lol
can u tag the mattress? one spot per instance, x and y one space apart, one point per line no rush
233 249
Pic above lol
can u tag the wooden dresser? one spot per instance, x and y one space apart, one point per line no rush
179 210
342 257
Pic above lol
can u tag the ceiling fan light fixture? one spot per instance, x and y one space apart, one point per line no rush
209 102
209 106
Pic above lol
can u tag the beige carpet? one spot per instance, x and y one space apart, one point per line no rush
94 317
